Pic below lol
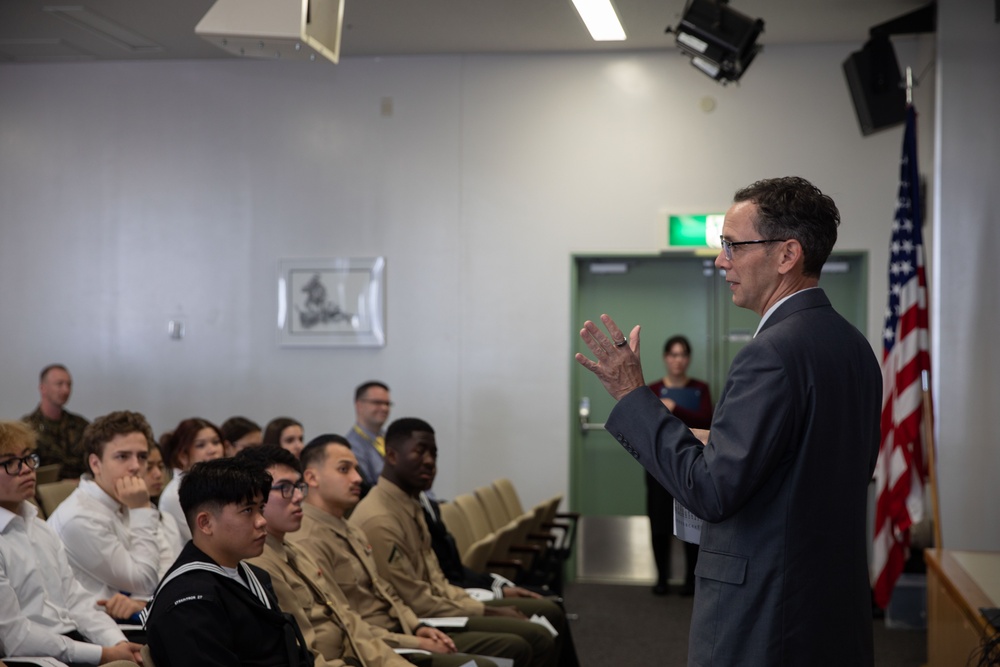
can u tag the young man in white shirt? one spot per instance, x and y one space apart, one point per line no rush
108 525
44 612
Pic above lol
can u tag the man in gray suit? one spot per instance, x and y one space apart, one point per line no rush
781 478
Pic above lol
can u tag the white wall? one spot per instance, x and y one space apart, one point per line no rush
131 194
966 306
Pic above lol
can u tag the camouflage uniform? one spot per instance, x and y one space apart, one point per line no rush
59 440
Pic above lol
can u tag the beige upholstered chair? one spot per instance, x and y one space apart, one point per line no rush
50 495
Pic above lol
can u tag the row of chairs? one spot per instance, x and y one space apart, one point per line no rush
494 532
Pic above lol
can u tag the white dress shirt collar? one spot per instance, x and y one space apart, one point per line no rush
26 511
776 306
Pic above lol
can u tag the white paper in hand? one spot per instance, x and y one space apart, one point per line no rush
687 526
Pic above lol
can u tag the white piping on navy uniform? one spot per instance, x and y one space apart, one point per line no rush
498 584
253 584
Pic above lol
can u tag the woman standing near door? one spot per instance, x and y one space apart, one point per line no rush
690 401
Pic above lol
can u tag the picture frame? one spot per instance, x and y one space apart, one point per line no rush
332 302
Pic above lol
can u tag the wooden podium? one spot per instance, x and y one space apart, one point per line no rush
959 583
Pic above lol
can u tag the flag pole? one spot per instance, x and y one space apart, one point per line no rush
931 460
928 406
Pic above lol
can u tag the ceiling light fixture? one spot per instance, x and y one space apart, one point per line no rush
601 20
721 41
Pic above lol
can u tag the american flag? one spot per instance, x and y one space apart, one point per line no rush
900 472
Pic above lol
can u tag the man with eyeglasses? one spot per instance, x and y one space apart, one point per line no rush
781 477
334 633
213 607
367 437
44 611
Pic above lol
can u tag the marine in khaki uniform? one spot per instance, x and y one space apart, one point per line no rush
335 634
342 550
392 518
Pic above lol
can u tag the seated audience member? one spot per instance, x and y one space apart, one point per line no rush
443 544
450 560
58 430
123 607
155 475
285 432
108 526
367 437
212 608
194 440
391 517
330 627
44 611
238 433
341 550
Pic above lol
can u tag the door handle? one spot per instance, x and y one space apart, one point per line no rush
585 424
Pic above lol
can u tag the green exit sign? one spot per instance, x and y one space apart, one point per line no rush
695 231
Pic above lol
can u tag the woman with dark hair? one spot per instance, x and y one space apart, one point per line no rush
690 401
285 432
170 533
194 440
239 433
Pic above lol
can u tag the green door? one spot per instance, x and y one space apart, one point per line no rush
669 294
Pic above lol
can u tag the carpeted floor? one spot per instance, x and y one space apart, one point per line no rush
626 625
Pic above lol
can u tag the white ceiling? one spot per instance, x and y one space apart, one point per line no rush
29 33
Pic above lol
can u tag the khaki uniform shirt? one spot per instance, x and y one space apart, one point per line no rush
59 440
343 553
331 630
401 545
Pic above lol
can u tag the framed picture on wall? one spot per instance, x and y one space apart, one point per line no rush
333 302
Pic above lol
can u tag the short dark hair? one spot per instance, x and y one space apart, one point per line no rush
51 367
314 453
214 484
793 208
674 340
106 428
401 429
179 441
272 434
235 428
266 456
363 388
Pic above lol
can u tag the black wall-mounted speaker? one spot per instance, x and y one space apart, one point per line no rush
876 85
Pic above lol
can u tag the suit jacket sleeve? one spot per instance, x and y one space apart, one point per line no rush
747 440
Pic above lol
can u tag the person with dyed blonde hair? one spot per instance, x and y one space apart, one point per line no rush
44 611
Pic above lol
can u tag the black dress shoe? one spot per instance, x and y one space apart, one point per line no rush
660 589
